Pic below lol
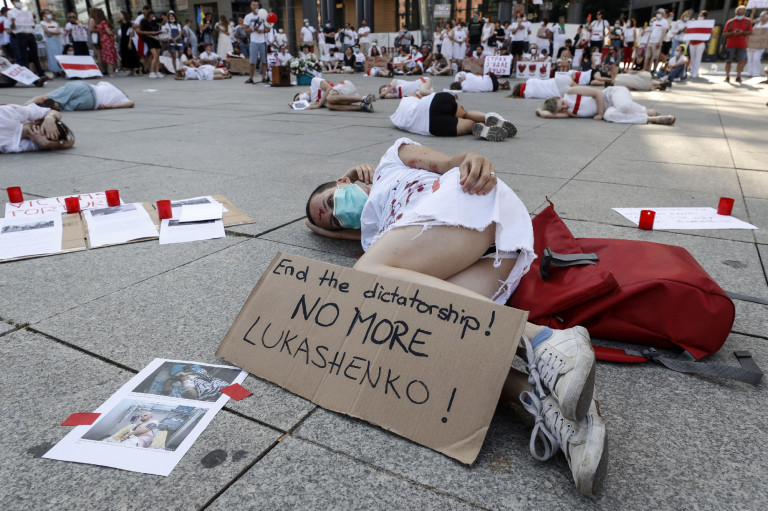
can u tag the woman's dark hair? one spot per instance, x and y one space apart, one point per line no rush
516 90
320 189
375 52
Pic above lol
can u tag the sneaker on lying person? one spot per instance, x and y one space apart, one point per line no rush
563 362
583 442
494 119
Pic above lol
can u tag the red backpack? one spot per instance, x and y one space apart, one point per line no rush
633 291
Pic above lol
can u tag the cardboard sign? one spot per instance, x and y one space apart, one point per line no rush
500 65
423 363
758 39
21 74
375 62
442 11
528 69
78 66
474 66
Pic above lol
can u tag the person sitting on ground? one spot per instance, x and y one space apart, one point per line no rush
32 128
283 57
441 115
349 61
398 89
565 60
340 96
455 227
413 63
676 65
537 88
614 104
332 62
207 56
428 58
441 66
470 82
83 96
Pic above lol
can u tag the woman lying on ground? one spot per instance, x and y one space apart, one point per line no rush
398 89
614 104
441 115
32 128
456 228
83 96
632 80
340 96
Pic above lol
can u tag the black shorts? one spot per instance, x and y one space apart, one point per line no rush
494 81
151 43
665 47
596 44
518 47
442 115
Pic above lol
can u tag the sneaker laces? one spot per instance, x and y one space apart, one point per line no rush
552 430
543 370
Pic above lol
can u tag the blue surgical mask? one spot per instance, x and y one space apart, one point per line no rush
348 203
677 53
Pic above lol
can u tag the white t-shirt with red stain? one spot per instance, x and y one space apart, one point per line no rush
401 196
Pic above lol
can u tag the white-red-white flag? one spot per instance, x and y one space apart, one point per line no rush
78 66
698 30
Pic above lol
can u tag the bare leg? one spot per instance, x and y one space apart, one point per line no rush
338 99
439 257
514 385
740 67
727 70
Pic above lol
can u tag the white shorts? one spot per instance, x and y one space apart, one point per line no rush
345 88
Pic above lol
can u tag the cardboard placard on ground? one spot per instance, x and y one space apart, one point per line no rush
238 65
500 65
72 237
474 66
423 363
529 69
758 39
375 62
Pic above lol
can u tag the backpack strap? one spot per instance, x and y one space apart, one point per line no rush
749 372
549 258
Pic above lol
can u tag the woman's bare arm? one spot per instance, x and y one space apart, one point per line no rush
478 176
341 234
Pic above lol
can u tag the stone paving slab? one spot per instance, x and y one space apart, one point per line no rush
60 381
295 475
89 276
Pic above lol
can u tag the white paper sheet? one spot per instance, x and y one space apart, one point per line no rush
205 199
20 237
173 231
110 226
685 219
54 205
175 424
200 212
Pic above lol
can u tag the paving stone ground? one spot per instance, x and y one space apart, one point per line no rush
75 327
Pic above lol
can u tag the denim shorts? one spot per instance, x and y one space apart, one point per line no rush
737 54
258 51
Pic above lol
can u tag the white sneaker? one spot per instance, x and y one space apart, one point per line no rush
582 442
492 133
565 365
494 119
153 75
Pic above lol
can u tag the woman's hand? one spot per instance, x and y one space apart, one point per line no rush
598 117
478 175
48 128
363 172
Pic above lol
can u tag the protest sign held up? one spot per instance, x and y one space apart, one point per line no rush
423 363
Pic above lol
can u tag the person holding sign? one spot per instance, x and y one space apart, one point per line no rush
32 128
457 228
613 104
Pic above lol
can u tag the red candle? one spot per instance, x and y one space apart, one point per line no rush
113 198
646 219
164 209
14 194
73 204
725 206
